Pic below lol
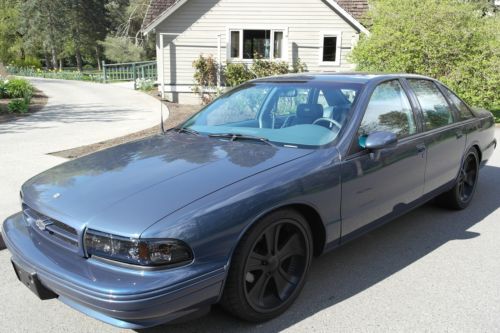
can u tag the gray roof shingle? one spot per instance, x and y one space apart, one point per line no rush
357 8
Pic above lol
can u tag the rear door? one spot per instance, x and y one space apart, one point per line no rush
375 184
444 137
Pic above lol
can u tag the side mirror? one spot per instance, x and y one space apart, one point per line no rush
380 140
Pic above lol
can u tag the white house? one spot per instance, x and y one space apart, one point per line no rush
320 33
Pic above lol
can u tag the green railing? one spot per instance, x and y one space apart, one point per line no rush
130 71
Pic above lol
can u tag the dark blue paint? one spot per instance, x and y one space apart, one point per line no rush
207 192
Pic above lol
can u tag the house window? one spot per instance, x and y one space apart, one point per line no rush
252 43
235 44
330 49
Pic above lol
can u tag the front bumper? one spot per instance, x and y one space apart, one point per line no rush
126 297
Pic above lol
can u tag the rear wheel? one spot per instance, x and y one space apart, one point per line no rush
269 267
460 196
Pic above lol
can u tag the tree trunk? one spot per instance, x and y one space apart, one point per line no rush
78 56
54 57
98 57
60 64
47 61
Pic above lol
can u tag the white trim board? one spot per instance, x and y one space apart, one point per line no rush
348 17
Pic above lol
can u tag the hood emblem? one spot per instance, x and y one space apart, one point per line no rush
42 224
57 195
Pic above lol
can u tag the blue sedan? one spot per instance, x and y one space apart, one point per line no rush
232 206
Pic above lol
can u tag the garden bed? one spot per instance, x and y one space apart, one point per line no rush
38 101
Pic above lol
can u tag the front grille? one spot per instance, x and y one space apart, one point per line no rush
56 231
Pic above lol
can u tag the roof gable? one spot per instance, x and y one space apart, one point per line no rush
158 10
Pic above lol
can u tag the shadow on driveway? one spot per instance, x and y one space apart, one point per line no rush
68 113
366 261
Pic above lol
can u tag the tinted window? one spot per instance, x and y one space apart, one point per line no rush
436 110
462 108
388 110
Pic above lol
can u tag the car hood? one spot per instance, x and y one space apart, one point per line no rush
125 189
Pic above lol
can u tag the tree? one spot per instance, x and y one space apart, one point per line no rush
455 41
10 37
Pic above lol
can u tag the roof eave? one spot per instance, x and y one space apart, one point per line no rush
146 30
178 4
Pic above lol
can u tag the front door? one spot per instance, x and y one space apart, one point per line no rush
377 183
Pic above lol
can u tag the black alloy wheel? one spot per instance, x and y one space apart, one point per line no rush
269 267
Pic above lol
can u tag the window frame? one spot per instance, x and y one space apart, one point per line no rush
454 114
354 149
338 48
272 29
446 91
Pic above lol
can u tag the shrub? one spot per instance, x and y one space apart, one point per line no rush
458 44
205 76
144 84
18 105
19 88
236 74
3 88
263 68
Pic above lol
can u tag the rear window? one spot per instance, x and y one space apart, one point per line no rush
463 109
437 111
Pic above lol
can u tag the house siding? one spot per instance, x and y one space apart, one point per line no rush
199 22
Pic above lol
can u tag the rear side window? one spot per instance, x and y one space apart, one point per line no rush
388 110
437 112
462 108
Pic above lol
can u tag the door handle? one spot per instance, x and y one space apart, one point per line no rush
459 134
421 148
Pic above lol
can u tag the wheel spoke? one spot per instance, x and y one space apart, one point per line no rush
282 285
255 262
291 248
259 288
270 236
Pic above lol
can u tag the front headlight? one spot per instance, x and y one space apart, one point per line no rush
144 252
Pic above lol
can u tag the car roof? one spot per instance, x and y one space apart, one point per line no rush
347 77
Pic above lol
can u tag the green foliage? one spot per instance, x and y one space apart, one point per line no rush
299 66
205 77
19 88
122 49
236 74
145 84
263 68
95 76
450 40
496 114
27 62
18 105
3 88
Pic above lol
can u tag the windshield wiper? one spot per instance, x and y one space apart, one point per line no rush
235 136
186 130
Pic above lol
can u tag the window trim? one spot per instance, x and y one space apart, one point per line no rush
454 115
338 49
352 151
241 30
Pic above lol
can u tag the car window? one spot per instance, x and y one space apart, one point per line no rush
388 110
244 105
437 112
462 108
287 104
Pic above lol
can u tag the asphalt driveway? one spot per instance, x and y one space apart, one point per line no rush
77 113
430 270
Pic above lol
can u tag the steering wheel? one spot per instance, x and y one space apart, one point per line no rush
329 120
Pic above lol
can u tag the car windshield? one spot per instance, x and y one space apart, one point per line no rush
288 113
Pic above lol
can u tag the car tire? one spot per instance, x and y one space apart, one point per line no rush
460 196
269 267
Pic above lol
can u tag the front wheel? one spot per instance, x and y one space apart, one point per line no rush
460 196
269 267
